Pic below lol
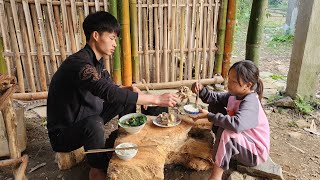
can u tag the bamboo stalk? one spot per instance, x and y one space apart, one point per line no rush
176 84
134 39
5 35
30 96
231 21
3 67
182 43
188 27
86 7
255 30
160 38
75 24
116 55
50 45
126 44
145 44
105 4
53 25
221 37
165 46
140 38
150 33
205 44
199 40
60 33
28 64
215 24
211 42
97 5
65 24
42 73
58 3
43 37
71 31
81 19
156 33
191 40
31 37
173 33
16 51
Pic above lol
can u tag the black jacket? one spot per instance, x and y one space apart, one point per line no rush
79 87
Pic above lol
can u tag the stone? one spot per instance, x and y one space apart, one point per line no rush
174 146
235 175
295 135
301 123
268 169
285 102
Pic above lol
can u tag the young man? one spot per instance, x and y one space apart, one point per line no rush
82 96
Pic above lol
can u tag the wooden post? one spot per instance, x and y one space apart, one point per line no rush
305 65
255 30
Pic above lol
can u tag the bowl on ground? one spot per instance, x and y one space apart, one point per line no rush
126 154
191 109
133 122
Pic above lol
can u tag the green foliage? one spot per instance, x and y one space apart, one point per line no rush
283 38
244 9
274 98
304 106
278 4
278 77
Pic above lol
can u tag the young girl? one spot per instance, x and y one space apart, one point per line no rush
239 122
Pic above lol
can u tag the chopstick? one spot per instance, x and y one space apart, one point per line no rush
113 149
197 97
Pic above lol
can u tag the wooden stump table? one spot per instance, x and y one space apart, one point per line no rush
189 144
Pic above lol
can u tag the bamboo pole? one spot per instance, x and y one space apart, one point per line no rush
199 40
231 21
191 40
16 52
81 19
42 73
145 44
59 32
65 25
105 4
126 44
116 55
140 38
31 37
53 25
150 33
177 84
58 3
214 39
156 36
5 35
173 33
186 36
3 67
221 37
255 30
97 5
52 56
43 36
86 7
75 23
71 31
211 41
28 64
165 46
160 12
30 96
182 43
205 44
134 39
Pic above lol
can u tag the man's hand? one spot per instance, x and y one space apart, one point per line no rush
203 114
167 99
196 87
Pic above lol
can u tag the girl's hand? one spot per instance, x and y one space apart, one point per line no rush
196 87
203 114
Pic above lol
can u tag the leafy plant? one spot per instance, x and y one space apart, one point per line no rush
277 77
274 98
283 38
303 106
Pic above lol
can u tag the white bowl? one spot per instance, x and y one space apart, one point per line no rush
131 129
126 154
191 109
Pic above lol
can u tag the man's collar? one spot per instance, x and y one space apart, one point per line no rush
91 54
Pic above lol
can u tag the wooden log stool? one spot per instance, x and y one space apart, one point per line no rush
66 160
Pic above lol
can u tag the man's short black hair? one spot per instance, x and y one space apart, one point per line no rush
100 21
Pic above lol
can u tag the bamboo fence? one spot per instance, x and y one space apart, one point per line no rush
171 40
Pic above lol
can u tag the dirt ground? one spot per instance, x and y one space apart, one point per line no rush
293 148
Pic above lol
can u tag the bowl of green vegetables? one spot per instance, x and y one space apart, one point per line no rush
133 122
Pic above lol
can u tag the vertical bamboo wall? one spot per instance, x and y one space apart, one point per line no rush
176 38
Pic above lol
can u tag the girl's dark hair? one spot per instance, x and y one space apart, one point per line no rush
100 21
249 72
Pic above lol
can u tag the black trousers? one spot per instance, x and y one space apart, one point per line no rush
89 132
